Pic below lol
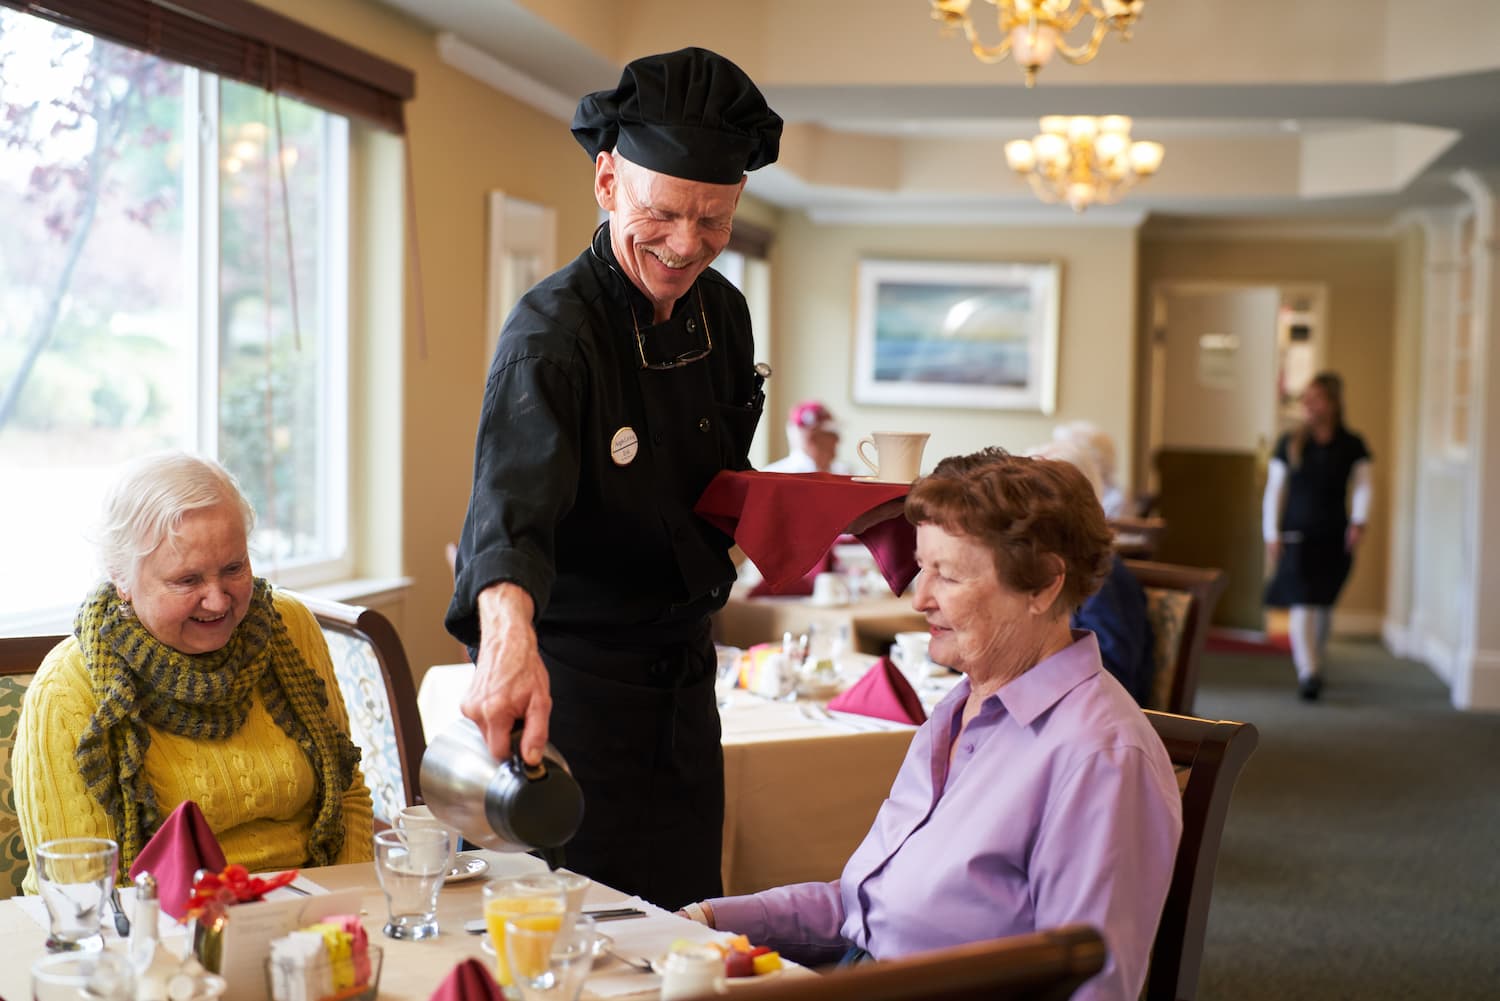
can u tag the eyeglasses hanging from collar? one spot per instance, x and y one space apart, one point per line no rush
658 354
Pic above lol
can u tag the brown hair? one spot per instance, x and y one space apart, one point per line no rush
1032 513
1332 386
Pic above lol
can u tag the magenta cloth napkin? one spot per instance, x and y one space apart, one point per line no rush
181 846
787 522
883 693
469 981
802 586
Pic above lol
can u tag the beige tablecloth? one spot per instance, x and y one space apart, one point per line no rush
873 622
800 792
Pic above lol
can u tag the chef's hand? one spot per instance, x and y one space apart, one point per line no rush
510 681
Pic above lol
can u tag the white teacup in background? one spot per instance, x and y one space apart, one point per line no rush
413 818
898 454
909 654
830 589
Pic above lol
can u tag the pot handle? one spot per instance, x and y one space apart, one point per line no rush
532 772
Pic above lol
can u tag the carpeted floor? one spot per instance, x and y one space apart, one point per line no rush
1361 858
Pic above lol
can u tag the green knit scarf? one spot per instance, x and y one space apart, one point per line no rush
138 681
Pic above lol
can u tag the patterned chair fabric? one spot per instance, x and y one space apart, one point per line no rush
1168 611
371 723
13 860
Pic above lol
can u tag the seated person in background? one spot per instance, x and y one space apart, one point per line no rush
187 677
1116 613
1102 447
813 435
1037 794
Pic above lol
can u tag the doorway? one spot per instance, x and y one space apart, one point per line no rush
1227 363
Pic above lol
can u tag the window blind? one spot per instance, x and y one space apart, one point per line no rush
243 41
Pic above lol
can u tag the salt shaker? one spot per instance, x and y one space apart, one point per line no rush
143 930
692 971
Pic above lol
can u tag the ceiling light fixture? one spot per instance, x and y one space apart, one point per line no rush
1032 30
1083 160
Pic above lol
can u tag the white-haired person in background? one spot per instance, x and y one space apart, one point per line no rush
813 436
1102 447
1116 613
188 677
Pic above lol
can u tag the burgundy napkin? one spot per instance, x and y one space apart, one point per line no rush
787 522
802 586
883 693
180 847
469 981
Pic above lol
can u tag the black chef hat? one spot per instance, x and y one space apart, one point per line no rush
691 114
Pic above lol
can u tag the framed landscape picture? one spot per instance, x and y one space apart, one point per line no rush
957 334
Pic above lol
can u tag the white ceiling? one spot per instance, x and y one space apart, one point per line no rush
1348 110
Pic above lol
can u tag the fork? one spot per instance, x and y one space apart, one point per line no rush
634 962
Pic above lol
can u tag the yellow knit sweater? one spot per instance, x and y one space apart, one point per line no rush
255 789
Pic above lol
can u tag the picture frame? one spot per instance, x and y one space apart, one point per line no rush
957 334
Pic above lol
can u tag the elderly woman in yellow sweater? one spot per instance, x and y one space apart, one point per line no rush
187 677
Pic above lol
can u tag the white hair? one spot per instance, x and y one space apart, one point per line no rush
146 505
1090 436
1076 454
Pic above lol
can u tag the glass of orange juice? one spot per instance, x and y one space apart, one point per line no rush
538 896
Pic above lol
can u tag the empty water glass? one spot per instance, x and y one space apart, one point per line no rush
549 960
728 676
82 976
75 877
411 866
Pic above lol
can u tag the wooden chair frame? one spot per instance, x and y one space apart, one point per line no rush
374 628
1206 585
24 654
1213 752
1045 966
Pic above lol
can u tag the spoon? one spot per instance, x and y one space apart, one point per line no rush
634 962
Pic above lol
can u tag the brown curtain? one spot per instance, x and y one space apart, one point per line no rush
242 41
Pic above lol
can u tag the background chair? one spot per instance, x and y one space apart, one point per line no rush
375 679
1180 603
1046 966
20 656
1208 756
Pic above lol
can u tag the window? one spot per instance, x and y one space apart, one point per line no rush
146 302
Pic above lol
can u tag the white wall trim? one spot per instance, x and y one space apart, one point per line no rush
1484 688
1280 229
1436 653
1396 637
486 68
957 215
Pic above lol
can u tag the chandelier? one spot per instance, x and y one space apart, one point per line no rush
1083 160
1032 30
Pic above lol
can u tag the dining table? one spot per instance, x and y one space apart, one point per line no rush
412 970
802 784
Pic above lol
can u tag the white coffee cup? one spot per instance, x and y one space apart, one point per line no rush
413 818
909 654
830 589
898 454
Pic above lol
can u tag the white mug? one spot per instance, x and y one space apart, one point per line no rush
909 654
898 454
830 589
418 817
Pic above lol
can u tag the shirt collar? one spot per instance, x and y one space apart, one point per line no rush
1025 698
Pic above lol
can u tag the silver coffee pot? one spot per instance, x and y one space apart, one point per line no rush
507 806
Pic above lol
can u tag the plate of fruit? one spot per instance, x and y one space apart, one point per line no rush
745 963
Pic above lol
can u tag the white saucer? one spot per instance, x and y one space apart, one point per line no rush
879 479
466 866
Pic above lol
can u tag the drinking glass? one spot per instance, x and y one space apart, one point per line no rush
75 877
550 960
537 895
82 976
413 817
728 676
575 888
411 865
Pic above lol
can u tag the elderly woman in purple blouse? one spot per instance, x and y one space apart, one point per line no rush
1037 795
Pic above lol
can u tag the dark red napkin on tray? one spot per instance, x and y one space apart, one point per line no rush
883 693
802 586
787 522
468 981
181 846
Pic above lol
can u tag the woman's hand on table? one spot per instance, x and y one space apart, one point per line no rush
700 912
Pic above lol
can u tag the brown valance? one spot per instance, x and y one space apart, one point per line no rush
243 41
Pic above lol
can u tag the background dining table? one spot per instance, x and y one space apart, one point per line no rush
413 970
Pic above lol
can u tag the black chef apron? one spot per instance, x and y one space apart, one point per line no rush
640 731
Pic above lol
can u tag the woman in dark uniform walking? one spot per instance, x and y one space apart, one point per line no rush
1316 505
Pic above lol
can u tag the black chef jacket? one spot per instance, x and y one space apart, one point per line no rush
622 573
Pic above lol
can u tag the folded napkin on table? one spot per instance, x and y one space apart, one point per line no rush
468 981
181 846
787 522
883 693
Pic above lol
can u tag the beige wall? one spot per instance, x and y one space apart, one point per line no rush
814 282
466 140
1360 341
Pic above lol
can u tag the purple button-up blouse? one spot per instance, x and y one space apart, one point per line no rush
1059 806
